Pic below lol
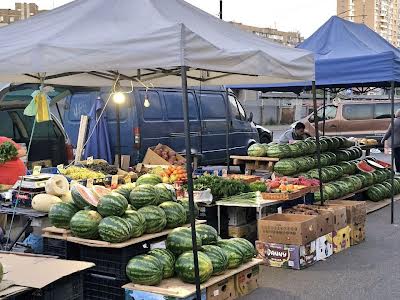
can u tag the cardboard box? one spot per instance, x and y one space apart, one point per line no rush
247 281
243 230
223 290
341 239
152 158
324 246
288 229
357 234
356 210
325 218
339 215
287 256
141 295
237 216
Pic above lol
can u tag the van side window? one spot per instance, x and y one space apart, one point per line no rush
242 112
330 112
384 110
154 111
173 102
212 106
358 111
6 125
234 108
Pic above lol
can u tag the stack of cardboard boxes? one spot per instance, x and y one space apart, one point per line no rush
305 234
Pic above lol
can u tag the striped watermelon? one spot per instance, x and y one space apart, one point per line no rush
143 195
175 213
207 233
218 258
185 204
113 204
84 224
179 240
233 252
100 191
165 193
184 267
83 197
167 259
114 229
247 248
152 179
145 269
125 189
155 217
137 221
60 214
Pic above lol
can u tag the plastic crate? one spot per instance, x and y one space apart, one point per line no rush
61 248
112 261
99 287
67 288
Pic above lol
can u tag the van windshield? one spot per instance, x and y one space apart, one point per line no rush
330 113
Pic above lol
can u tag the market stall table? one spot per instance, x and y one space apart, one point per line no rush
253 163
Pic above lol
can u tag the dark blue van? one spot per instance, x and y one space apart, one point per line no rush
162 122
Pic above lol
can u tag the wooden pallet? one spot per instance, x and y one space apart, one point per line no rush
255 163
57 233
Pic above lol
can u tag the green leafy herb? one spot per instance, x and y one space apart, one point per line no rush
7 152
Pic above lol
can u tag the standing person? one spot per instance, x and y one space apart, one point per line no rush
396 145
293 134
13 168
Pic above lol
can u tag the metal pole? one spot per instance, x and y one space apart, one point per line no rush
189 177
392 90
228 121
314 95
323 116
118 134
220 9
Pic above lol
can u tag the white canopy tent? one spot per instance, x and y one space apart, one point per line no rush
85 43
163 42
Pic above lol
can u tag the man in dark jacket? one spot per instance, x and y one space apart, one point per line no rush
396 145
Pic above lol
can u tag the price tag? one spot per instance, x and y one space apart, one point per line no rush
215 172
90 160
89 183
36 170
114 180
60 168
224 173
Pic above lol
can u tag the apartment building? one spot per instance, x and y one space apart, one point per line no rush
291 39
382 16
21 11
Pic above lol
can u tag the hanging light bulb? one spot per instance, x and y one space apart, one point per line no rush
146 102
119 97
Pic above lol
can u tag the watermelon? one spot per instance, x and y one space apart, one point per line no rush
175 213
375 194
113 204
100 191
137 221
218 258
279 151
125 189
185 204
155 217
179 240
164 193
145 269
167 259
83 197
256 150
60 214
151 179
84 224
286 167
208 234
143 195
233 252
364 167
184 267
247 247
114 229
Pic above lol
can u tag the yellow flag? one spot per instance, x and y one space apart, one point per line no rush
42 113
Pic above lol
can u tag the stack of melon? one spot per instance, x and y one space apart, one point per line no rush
215 256
57 191
147 206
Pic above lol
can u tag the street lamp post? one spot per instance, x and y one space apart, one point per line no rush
119 99
220 9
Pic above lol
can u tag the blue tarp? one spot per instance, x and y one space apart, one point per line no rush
347 54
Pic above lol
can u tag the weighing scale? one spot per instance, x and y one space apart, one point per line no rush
28 187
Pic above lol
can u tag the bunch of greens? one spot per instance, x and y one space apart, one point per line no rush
7 152
258 186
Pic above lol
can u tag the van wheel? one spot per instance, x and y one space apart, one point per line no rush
242 169
265 138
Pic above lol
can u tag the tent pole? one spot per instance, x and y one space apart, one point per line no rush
314 95
227 132
323 116
185 104
392 90
118 119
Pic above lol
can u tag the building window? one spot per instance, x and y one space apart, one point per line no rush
1 19
11 19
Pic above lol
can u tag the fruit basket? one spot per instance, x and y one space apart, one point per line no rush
285 196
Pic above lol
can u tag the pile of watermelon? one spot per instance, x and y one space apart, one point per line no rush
215 256
383 190
147 206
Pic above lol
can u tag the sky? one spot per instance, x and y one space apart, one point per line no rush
305 16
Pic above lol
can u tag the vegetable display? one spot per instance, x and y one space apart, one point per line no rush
7 152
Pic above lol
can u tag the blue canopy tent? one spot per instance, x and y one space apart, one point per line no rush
347 55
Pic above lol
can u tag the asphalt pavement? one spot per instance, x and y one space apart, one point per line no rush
366 271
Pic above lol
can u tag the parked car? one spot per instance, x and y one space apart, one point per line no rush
353 118
162 122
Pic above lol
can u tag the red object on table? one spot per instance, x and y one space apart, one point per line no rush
13 169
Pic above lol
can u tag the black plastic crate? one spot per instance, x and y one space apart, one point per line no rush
61 248
111 261
102 287
66 288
